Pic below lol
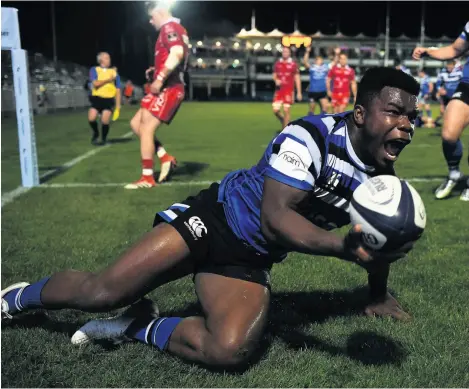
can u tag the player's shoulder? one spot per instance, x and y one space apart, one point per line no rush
322 124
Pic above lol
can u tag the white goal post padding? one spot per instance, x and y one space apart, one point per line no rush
24 114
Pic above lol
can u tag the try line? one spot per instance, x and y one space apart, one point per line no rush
12 195
176 183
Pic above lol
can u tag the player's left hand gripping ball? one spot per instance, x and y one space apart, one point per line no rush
116 114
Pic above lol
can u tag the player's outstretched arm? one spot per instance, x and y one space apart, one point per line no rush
354 89
454 50
283 225
306 57
299 95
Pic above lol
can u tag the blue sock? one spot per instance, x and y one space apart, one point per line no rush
154 331
29 298
429 113
453 154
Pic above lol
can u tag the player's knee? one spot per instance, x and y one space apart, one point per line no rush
230 351
448 133
135 126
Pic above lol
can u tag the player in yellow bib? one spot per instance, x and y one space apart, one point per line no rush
105 96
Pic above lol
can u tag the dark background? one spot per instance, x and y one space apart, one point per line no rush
123 29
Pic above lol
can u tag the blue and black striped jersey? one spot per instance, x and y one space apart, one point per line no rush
314 154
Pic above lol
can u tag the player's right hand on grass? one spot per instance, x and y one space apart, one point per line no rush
356 252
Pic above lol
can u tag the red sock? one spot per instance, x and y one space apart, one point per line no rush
166 158
147 167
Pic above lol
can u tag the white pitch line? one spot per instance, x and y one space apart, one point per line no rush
12 195
416 179
173 183
116 184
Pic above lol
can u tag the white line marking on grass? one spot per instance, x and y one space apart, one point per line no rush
173 183
416 179
12 195
117 184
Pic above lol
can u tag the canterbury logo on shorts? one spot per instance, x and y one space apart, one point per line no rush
194 224
197 227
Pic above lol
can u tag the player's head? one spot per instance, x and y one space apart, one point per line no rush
450 65
286 52
104 59
385 110
159 12
343 59
319 60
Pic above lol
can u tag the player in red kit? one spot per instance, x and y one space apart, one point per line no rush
286 77
342 77
165 97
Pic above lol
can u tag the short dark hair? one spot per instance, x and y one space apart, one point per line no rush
375 79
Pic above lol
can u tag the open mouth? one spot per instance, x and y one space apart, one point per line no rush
394 147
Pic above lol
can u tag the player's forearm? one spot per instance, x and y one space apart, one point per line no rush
328 85
306 60
175 56
378 281
99 84
289 229
444 53
298 83
354 90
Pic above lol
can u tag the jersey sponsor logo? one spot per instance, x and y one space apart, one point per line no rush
292 158
172 36
457 95
196 227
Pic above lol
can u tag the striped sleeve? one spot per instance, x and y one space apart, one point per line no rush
465 33
297 154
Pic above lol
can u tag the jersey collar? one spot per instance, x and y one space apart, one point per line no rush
172 19
349 148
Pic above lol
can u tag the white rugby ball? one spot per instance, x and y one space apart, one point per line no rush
390 212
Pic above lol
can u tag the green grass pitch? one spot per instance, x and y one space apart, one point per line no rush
316 335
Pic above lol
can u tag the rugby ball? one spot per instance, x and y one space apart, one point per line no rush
390 212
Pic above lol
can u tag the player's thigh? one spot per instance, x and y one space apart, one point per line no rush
456 117
135 121
159 257
149 122
106 116
235 310
92 114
